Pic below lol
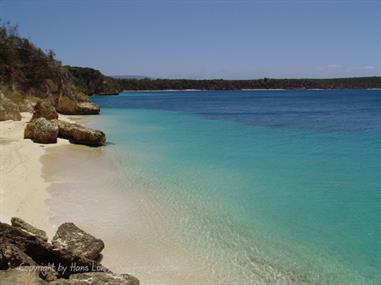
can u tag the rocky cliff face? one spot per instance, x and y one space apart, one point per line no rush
28 72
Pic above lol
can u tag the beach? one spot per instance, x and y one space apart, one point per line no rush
44 185
23 191
183 195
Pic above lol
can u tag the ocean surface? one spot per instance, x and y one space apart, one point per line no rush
259 187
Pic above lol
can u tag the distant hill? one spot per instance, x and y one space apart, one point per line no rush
265 83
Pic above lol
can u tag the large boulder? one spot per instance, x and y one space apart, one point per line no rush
12 256
44 109
98 278
42 253
78 134
87 108
8 109
66 105
72 238
41 131
70 106
21 224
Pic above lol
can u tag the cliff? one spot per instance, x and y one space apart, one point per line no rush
27 73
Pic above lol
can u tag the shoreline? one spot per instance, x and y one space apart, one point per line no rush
23 190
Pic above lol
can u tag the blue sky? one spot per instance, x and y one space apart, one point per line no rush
207 39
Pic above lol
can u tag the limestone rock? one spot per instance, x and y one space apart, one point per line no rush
12 256
20 276
44 253
66 105
80 243
70 106
44 109
41 131
98 278
21 224
8 109
78 134
87 108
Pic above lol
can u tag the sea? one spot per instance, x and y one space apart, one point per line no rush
254 186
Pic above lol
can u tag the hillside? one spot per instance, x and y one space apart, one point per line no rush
27 73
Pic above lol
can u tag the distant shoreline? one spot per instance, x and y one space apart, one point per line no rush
244 89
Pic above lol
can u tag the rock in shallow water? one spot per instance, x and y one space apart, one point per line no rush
78 134
41 131
72 238
69 106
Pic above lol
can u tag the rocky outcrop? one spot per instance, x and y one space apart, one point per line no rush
27 256
72 238
8 109
21 224
44 109
71 106
87 108
41 131
95 278
78 134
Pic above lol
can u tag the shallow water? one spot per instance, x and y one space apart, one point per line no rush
245 187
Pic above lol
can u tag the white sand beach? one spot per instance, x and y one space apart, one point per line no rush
23 191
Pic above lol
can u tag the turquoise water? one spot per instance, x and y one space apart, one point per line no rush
272 187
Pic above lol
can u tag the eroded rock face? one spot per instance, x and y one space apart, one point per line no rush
87 108
72 238
8 109
41 131
44 109
21 224
66 105
78 134
69 106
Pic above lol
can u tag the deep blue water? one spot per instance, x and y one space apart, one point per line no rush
267 187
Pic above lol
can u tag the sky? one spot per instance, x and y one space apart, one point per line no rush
207 39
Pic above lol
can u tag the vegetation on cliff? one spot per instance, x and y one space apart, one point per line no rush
28 72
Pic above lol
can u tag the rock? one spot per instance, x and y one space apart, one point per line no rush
66 105
98 278
20 276
26 106
44 109
12 256
8 109
80 243
78 134
87 108
21 224
41 131
44 253
70 106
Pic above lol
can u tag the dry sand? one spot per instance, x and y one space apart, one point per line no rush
22 189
